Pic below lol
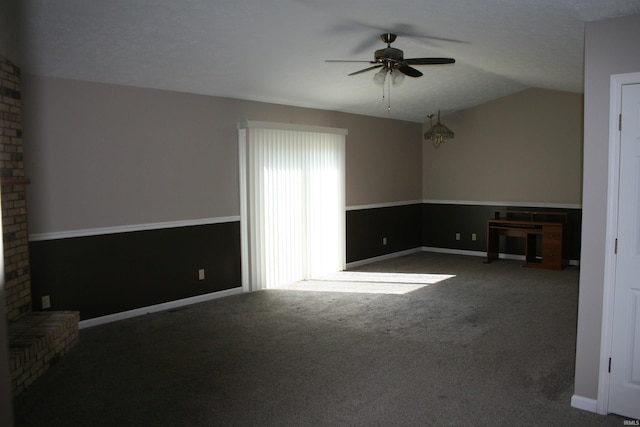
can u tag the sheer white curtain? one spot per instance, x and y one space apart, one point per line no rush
292 202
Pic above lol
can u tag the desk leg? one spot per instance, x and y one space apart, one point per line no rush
493 242
531 249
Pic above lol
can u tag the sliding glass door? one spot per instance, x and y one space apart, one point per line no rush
292 202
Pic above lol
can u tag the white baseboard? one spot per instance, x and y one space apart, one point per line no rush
157 307
461 252
440 250
214 295
483 254
584 403
382 257
470 253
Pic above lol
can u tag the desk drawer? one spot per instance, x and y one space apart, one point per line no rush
551 247
552 261
552 254
555 251
552 235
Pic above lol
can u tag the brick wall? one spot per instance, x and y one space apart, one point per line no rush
36 339
14 210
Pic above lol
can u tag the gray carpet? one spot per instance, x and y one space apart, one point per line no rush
494 345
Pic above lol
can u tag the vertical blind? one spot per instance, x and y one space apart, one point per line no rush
292 203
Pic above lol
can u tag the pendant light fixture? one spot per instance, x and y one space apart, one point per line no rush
438 133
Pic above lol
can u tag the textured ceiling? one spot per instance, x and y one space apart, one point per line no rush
275 50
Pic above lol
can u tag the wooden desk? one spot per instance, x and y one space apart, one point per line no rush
551 226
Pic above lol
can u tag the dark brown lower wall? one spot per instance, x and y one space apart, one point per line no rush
434 225
111 273
366 229
441 222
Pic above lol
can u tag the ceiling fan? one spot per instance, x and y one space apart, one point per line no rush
391 59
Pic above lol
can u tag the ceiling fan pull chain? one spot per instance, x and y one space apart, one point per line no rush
389 95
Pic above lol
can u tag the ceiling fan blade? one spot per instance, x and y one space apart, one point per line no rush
411 72
349 26
347 60
368 69
429 61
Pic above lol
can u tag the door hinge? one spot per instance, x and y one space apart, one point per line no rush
616 248
609 365
620 122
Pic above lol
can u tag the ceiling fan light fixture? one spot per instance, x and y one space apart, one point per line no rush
397 77
438 133
380 76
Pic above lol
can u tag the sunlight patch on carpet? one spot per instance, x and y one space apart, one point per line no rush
369 282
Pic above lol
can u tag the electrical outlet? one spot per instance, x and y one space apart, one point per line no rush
201 274
457 236
46 302
384 241
474 236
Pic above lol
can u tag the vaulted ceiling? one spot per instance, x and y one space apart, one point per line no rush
275 50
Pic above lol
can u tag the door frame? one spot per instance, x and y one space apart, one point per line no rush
615 100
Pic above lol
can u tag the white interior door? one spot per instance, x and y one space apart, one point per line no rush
624 382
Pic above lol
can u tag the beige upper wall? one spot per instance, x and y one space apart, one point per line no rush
106 156
526 147
611 47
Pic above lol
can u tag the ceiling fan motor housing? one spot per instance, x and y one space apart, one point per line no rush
389 55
